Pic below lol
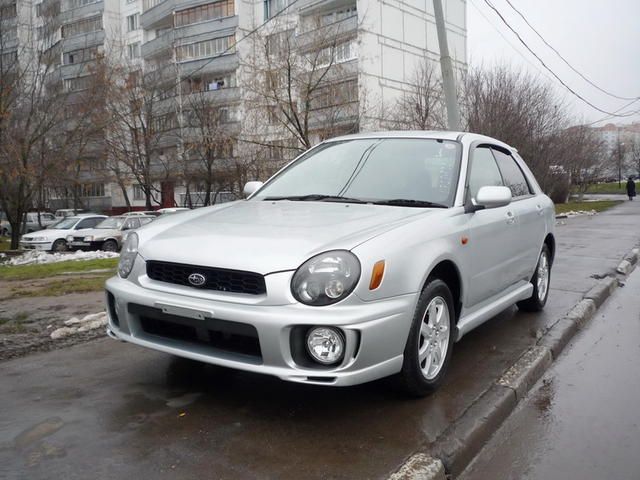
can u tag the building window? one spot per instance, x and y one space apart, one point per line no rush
207 83
8 12
79 56
77 84
8 34
342 52
138 192
202 13
133 50
91 190
335 95
71 4
280 42
272 7
208 48
86 25
132 22
149 4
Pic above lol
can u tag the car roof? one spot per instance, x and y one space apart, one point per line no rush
428 134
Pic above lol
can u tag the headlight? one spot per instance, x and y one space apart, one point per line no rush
326 278
39 239
325 345
88 238
128 255
69 238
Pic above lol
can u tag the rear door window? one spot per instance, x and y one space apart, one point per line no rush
512 174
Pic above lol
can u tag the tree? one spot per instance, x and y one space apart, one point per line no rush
521 110
141 131
301 89
421 106
210 143
619 158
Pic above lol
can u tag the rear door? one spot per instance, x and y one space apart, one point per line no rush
493 238
528 209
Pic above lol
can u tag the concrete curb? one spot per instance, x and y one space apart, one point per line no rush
462 441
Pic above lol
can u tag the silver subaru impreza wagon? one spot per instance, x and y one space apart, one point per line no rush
368 256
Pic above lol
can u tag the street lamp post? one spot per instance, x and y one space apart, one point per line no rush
620 145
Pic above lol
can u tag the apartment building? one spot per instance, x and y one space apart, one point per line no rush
213 50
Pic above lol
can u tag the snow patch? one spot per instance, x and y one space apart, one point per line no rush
579 213
78 325
38 256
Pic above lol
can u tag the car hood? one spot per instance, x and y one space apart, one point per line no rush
49 233
265 236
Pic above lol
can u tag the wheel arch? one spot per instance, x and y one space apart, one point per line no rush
447 271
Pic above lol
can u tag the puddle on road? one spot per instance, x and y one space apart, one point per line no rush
37 432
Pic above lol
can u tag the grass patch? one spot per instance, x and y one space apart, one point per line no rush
58 288
599 206
4 245
609 188
14 325
30 272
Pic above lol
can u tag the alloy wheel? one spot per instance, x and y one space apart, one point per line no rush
433 340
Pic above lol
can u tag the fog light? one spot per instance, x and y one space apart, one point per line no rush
325 345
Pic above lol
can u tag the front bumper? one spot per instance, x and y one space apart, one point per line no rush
375 332
76 245
44 246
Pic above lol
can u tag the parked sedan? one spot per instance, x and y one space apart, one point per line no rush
367 256
107 235
54 237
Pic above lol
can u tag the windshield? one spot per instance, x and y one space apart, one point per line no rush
64 224
111 223
393 171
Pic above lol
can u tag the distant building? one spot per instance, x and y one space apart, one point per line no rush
201 45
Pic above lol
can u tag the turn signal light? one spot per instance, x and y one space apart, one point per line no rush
376 275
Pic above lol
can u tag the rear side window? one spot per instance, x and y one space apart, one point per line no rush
145 220
512 174
484 171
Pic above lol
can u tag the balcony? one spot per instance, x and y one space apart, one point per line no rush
159 44
156 14
83 40
341 29
69 13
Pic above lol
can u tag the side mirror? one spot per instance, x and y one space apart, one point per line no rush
493 197
251 187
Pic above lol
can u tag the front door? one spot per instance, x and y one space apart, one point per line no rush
167 199
493 235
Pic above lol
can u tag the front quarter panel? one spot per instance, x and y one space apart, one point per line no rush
411 252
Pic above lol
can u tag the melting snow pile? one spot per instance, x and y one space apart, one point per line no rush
78 325
578 213
36 256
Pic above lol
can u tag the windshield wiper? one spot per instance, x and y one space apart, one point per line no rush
316 197
406 202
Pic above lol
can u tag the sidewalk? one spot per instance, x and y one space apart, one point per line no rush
581 421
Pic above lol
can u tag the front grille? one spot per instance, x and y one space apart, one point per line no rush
27 239
219 337
220 279
78 239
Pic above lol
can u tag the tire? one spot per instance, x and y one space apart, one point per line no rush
59 245
420 375
541 280
110 246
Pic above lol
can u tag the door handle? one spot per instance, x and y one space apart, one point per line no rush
540 210
510 218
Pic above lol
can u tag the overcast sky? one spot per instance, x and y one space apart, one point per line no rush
599 38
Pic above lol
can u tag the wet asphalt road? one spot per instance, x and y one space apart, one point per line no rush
582 420
112 410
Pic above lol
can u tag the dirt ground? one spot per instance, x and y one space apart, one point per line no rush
26 323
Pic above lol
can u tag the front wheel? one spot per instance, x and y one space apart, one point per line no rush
59 245
110 246
540 280
428 350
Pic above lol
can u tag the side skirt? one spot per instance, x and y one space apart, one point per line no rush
471 320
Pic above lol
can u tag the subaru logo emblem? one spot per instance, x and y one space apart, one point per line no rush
197 279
